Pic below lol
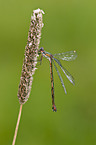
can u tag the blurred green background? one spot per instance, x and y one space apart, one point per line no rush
68 25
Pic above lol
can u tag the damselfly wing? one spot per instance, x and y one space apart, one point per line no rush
67 56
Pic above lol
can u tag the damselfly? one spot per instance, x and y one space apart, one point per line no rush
67 56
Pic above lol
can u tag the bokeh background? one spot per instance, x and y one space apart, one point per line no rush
68 25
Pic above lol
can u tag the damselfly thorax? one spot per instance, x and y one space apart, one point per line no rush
67 56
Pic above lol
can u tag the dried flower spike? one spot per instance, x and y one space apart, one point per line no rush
29 64
31 53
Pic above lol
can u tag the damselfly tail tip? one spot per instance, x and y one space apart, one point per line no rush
54 108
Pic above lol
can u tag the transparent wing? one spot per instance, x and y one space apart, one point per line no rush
68 75
67 56
60 78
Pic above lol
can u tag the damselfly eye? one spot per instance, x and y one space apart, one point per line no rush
41 49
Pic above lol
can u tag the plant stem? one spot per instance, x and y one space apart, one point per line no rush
18 121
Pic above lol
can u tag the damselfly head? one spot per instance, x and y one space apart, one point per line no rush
41 49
